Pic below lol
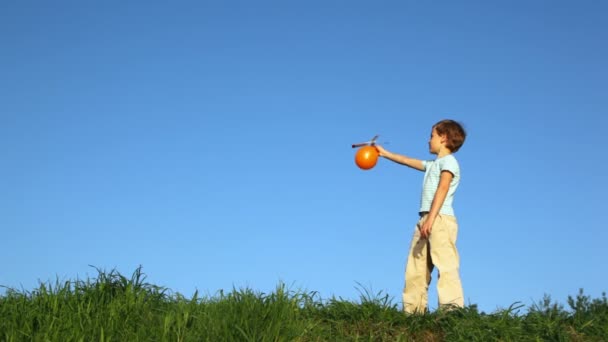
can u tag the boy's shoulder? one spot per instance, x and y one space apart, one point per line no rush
448 158
448 162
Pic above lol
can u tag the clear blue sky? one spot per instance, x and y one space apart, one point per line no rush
210 141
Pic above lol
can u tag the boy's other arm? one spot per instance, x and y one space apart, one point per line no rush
440 195
400 159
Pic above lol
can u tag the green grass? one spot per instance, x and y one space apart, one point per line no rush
113 307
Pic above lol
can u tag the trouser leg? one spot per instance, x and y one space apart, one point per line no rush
445 257
417 274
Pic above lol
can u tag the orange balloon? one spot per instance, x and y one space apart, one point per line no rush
366 157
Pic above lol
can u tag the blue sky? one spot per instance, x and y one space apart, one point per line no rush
210 141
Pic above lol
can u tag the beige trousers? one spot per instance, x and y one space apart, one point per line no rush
439 250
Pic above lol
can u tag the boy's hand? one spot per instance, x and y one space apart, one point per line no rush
427 226
381 151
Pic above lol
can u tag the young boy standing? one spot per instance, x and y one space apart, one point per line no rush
434 240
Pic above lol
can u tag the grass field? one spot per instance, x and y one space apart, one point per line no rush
112 307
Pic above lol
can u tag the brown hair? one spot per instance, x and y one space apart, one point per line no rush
454 133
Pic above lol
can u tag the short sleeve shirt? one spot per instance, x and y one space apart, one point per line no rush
432 173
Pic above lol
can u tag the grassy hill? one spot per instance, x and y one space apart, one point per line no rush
113 307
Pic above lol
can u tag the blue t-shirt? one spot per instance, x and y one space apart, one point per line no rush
432 173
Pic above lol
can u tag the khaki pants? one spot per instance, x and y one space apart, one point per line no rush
439 250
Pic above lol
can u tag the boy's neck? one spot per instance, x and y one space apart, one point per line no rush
443 152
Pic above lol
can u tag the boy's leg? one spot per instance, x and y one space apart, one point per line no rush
445 258
417 274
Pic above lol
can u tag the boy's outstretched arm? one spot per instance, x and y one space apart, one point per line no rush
401 159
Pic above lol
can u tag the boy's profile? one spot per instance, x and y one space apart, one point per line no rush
434 240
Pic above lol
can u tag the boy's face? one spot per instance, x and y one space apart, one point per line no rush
436 142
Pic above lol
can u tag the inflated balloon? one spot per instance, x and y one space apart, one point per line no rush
366 157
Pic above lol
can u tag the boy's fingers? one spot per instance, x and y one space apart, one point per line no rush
425 231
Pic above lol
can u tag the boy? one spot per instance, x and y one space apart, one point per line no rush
434 240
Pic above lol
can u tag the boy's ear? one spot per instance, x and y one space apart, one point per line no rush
444 138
